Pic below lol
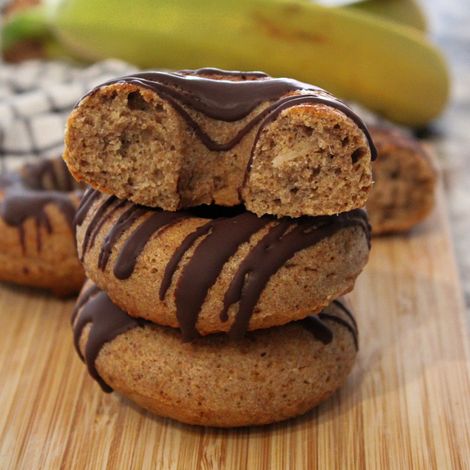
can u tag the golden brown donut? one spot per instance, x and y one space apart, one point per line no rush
37 246
267 376
182 139
212 269
404 182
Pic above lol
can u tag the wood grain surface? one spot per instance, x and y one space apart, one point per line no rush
406 404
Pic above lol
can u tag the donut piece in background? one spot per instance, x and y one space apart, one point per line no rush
267 376
182 139
211 269
405 178
37 243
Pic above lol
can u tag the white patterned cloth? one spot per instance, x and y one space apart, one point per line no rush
35 100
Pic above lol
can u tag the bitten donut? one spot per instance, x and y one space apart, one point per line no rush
212 269
405 181
267 376
37 246
182 139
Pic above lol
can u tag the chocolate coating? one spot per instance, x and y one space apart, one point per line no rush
221 238
107 321
26 196
233 100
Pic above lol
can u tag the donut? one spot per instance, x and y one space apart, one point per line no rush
183 139
405 182
37 243
212 269
267 376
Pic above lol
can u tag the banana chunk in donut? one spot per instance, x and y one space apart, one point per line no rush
182 139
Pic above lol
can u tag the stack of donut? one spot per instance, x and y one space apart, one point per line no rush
222 228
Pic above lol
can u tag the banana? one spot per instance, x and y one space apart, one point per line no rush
390 68
405 12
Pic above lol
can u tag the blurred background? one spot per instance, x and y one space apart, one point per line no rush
403 61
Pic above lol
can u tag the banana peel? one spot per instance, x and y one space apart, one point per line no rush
388 67
405 12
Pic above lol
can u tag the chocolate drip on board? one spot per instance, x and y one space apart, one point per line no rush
107 321
27 193
233 100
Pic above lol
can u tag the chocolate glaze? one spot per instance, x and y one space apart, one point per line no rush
221 239
172 265
280 244
125 221
214 71
343 307
134 245
117 204
86 202
26 196
107 321
340 321
233 100
318 328
98 219
46 174
83 298
206 263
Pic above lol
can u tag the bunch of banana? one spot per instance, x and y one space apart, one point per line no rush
374 52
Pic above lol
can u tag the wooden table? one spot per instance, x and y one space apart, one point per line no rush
406 404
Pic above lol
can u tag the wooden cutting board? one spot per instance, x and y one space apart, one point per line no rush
406 404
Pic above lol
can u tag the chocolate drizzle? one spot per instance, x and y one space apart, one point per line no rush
125 221
107 321
271 253
83 298
96 222
86 202
27 195
317 326
233 100
206 263
220 239
134 245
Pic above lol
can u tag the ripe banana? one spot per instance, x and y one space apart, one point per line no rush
388 67
405 12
